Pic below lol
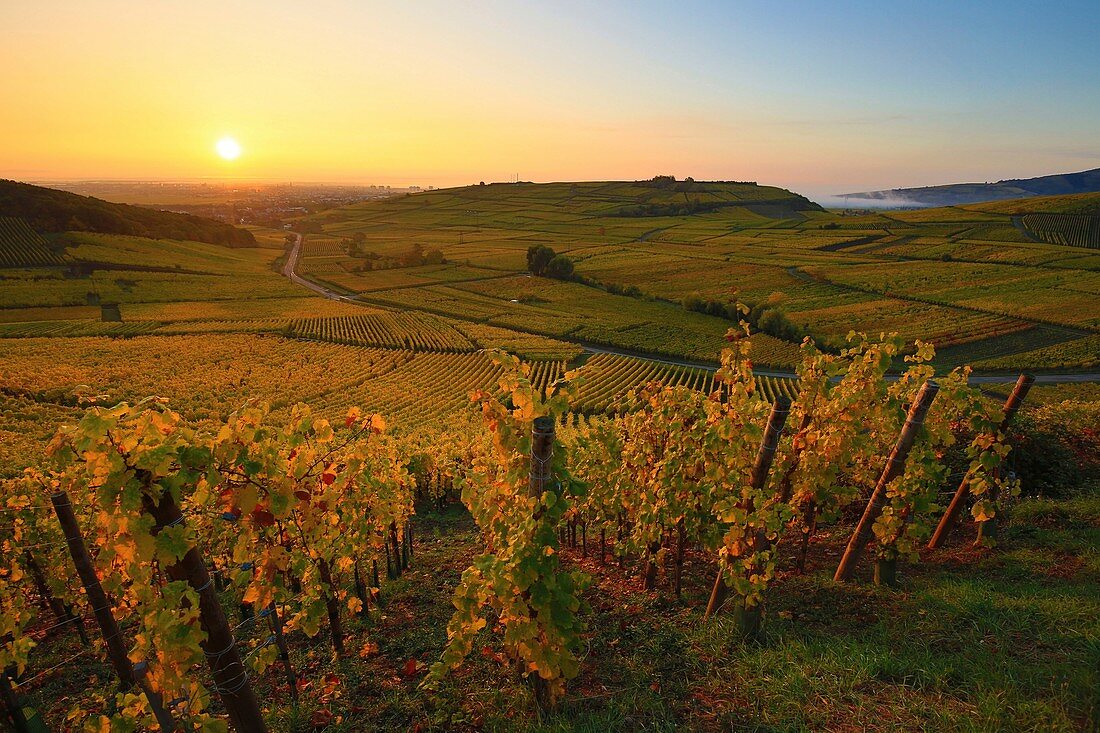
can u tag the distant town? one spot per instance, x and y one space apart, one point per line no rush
265 204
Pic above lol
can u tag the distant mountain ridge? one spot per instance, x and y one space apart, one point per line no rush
48 210
954 194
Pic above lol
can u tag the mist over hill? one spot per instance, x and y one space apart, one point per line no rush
954 194
48 210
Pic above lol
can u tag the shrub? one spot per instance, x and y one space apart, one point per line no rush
1057 447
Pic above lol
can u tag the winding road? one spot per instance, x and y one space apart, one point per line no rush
290 271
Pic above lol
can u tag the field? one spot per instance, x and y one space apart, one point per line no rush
973 275
971 280
356 467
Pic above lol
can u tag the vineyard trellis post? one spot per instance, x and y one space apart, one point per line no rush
759 476
226 666
542 450
97 597
895 465
542 454
11 701
47 598
1012 406
361 591
284 650
156 703
332 605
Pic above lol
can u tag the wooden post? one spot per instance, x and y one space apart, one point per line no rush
947 521
542 450
44 593
97 598
895 465
361 591
542 454
406 546
759 476
649 569
333 607
398 564
679 559
809 525
226 667
156 703
78 620
284 651
11 701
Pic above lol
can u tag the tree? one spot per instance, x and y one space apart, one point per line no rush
413 257
559 268
538 257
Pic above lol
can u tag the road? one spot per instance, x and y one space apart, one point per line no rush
291 265
289 270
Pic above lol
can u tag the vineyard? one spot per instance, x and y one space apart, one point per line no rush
607 379
463 496
21 246
421 332
1065 229
247 549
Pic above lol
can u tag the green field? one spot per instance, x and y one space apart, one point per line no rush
969 275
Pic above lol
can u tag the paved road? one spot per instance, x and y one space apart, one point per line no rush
289 269
291 265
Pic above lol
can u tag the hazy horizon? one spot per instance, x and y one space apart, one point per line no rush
825 100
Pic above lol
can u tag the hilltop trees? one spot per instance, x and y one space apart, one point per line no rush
50 210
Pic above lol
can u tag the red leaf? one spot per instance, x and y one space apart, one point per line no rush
322 717
263 517
410 668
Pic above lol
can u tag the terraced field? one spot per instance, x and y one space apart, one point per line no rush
952 277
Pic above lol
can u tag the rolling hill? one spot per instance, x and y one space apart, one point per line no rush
955 194
48 210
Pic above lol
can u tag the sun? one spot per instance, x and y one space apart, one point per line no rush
228 148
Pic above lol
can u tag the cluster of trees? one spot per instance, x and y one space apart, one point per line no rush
415 256
689 184
50 210
767 316
545 262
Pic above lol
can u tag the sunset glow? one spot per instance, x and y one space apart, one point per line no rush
444 93
228 148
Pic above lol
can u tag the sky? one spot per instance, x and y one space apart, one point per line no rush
820 97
